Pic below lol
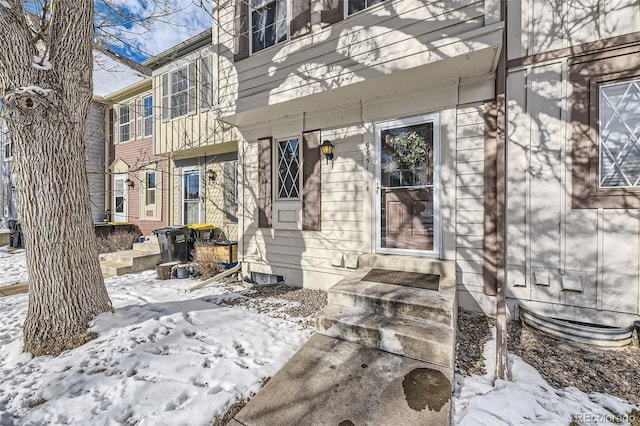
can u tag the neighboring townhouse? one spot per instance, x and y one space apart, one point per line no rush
572 165
201 151
7 194
111 72
136 178
398 88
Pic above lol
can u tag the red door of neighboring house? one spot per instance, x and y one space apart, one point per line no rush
407 199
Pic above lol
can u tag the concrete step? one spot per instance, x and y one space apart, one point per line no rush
446 269
113 268
139 260
333 382
420 339
149 246
393 300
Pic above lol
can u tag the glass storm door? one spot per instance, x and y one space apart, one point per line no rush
119 198
407 196
191 197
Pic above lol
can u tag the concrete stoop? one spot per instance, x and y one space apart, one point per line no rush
383 354
407 321
128 261
333 382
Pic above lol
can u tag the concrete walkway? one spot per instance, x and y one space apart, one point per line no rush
333 382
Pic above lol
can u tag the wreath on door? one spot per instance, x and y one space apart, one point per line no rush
408 150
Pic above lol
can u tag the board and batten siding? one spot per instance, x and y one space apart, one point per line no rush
95 159
469 218
344 199
539 26
393 36
551 247
199 131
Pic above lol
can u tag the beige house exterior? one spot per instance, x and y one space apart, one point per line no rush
200 150
355 77
464 131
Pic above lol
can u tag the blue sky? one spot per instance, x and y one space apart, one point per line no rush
173 22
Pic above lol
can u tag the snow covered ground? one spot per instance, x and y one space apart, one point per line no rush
171 357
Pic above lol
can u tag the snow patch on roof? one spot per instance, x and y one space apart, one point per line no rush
111 75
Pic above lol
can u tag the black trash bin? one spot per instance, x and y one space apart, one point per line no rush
174 243
16 240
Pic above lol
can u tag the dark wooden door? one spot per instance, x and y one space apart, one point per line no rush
408 219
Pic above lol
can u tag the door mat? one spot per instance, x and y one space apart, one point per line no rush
407 279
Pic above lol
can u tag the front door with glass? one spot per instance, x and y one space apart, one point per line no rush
407 196
191 197
119 198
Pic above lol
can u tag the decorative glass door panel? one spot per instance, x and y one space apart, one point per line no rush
406 173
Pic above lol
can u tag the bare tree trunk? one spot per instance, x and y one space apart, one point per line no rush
46 108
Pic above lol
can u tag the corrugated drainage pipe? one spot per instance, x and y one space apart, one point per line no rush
591 334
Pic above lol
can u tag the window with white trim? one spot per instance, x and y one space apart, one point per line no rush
355 6
179 92
288 171
619 135
269 23
124 123
147 115
150 188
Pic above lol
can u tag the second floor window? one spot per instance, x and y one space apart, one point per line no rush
354 6
269 24
124 124
179 92
147 115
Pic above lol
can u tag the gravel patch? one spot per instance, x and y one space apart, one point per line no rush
561 363
281 301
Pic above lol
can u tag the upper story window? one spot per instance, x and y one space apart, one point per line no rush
179 92
288 172
619 134
124 123
354 6
147 115
269 23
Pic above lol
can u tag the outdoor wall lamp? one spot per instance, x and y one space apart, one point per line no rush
129 183
327 149
211 175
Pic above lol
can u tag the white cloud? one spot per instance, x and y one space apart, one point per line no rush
172 22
